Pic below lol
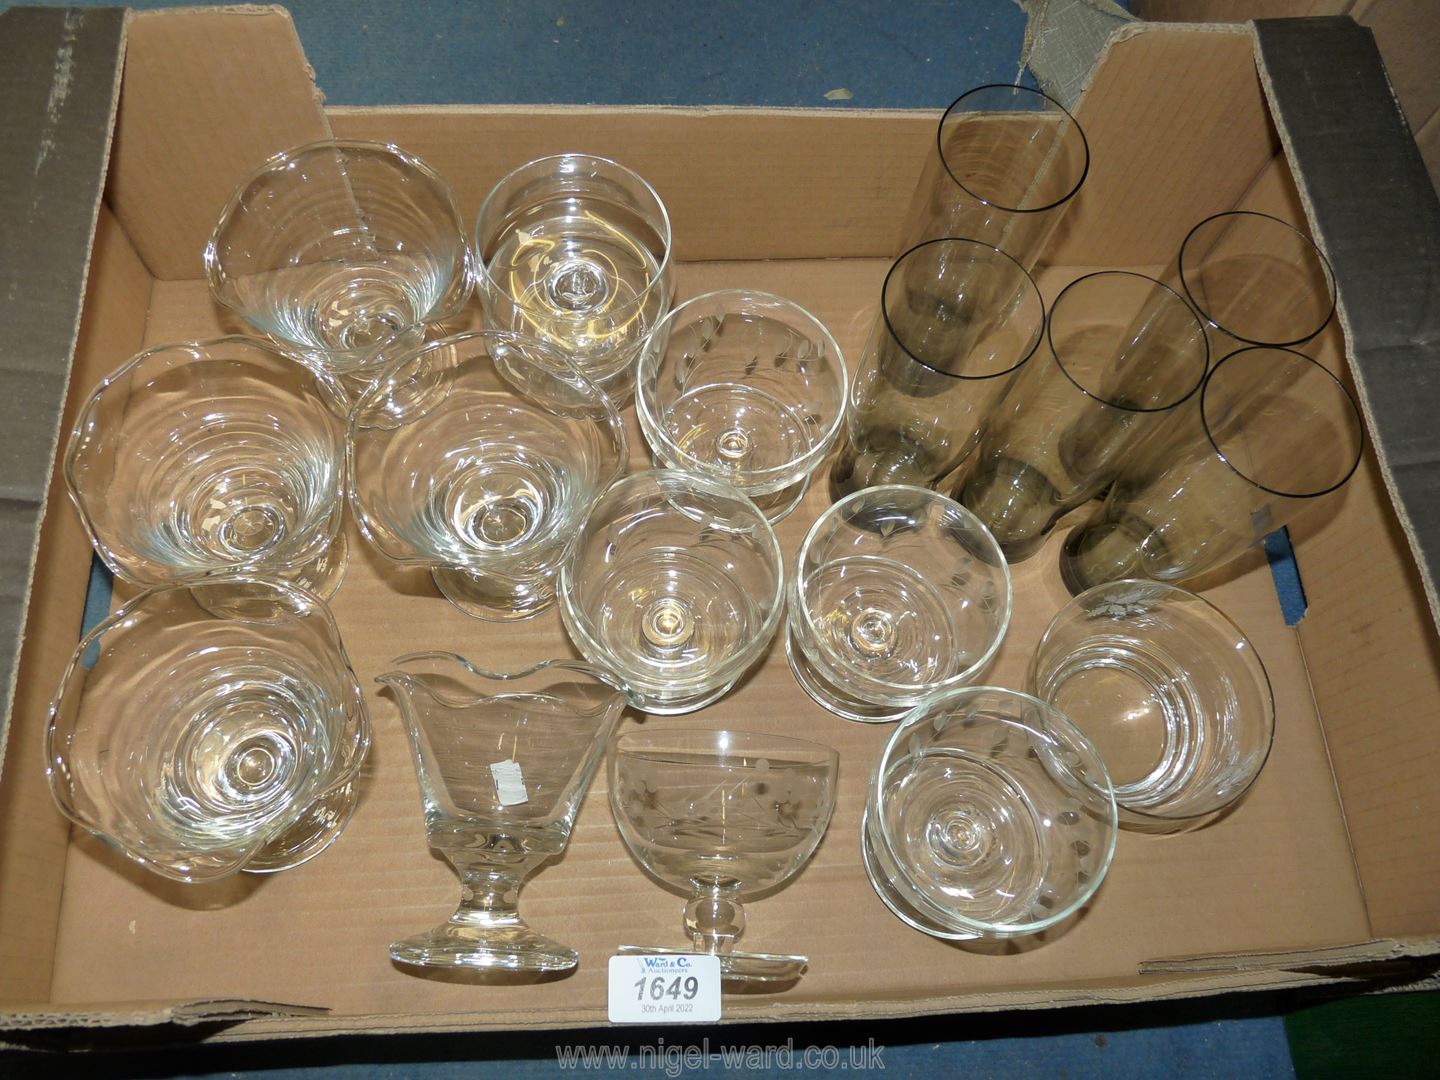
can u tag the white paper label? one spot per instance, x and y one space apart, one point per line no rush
509 783
681 988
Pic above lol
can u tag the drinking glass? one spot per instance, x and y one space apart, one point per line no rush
1255 280
575 250
477 456
1272 431
209 457
503 761
341 252
744 387
1007 162
675 585
1169 690
990 815
212 728
1121 351
957 319
897 592
721 816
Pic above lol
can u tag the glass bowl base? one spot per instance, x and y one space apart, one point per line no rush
741 967
895 900
509 948
826 694
492 600
316 830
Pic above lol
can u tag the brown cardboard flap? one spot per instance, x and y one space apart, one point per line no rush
1160 103
33 834
1371 646
1235 11
59 78
714 168
193 122
147 1014
762 1009
1301 960
1374 663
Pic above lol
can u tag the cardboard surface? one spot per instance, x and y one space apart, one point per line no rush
1406 31
34 836
1159 105
121 931
1377 218
181 75
1271 895
713 168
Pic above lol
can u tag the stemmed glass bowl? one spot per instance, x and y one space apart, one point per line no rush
745 387
897 592
721 816
210 727
674 584
478 456
210 457
503 760
342 252
990 815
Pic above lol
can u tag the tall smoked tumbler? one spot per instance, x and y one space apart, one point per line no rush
957 319
1272 431
1007 164
1255 280
1120 352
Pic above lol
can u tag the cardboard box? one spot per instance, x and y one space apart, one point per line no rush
1328 871
1407 32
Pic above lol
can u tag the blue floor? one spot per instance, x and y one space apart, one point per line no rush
823 53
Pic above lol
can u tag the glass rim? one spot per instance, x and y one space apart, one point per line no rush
1064 370
761 481
210 257
376 393
816 752
1212 610
1355 412
1066 727
799 604
482 269
85 415
578 623
577 667
1314 247
945 164
895 337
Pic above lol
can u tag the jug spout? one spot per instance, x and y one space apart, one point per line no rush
515 750
454 681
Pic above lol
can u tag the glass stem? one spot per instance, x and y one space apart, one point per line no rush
488 899
715 918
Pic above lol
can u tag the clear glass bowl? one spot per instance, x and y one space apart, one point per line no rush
575 250
721 816
342 252
209 457
897 592
744 387
989 816
1169 690
675 584
210 727
478 456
